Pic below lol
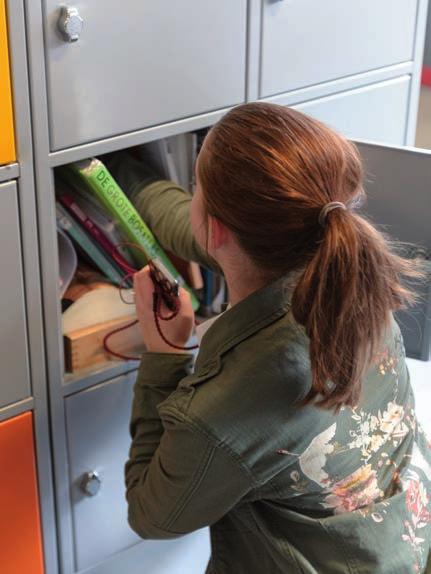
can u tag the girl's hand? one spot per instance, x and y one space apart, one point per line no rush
176 331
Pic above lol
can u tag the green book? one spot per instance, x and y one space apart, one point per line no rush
72 228
100 182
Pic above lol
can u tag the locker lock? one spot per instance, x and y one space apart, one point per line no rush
91 483
70 23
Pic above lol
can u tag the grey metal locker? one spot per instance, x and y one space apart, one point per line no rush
15 378
98 440
398 186
138 64
139 71
376 112
306 42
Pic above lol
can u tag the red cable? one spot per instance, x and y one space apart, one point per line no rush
162 291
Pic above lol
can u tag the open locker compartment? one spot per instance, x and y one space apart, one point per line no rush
398 187
83 281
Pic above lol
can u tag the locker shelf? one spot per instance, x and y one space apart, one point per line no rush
75 382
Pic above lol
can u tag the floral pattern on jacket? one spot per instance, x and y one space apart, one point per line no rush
377 437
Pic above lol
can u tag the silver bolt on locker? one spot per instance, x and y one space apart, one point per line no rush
70 23
91 483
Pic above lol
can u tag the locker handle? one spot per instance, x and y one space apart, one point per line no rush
91 483
70 23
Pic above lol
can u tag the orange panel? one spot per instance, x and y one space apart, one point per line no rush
7 143
20 532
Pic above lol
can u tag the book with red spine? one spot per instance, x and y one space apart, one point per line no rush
93 230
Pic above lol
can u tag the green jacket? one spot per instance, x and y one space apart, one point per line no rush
283 489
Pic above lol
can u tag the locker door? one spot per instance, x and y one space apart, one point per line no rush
306 42
97 422
7 145
20 531
14 370
377 112
137 64
398 185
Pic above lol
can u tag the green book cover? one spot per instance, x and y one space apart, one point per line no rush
68 224
114 200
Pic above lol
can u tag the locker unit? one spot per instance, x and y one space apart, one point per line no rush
106 77
20 531
7 141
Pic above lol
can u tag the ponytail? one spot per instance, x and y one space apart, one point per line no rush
344 299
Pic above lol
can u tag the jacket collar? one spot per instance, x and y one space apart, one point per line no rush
256 311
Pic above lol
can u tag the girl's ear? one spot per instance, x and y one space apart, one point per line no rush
217 232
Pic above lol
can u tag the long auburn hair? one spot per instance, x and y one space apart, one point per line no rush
266 171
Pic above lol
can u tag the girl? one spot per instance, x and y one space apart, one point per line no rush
294 436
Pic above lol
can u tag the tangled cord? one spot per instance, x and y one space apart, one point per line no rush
164 292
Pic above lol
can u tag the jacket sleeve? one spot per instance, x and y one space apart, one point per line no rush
178 479
163 205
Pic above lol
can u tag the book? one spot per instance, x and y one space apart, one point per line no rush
93 230
67 261
180 148
206 309
190 270
87 246
193 156
90 205
220 298
173 157
100 182
159 155
133 174
195 275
